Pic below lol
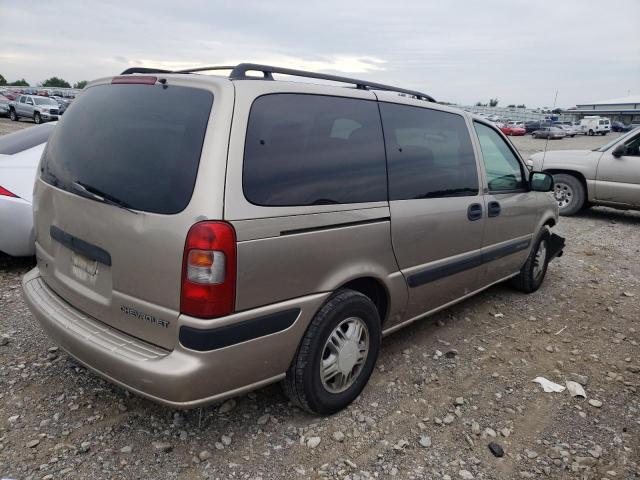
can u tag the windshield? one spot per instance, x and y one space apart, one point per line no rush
613 142
142 151
44 101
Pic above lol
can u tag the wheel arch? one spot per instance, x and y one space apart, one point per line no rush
375 290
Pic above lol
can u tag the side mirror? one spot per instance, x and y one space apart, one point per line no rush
541 182
619 151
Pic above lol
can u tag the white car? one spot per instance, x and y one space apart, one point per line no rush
19 157
570 130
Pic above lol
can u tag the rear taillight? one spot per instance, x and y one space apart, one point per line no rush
7 193
209 270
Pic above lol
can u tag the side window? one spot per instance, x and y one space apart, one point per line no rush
313 150
22 99
633 147
504 171
29 101
429 153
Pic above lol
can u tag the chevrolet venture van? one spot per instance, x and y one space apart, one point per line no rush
207 235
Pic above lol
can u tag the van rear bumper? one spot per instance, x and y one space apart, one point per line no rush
183 377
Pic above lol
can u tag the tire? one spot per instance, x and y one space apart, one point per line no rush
14 116
304 384
590 133
37 118
534 269
569 192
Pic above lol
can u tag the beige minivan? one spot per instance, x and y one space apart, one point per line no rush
198 236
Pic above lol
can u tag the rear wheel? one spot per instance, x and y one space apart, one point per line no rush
569 192
13 116
534 270
37 118
590 133
336 355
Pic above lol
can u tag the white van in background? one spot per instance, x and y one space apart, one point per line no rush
592 125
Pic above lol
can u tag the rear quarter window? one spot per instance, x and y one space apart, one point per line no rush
313 150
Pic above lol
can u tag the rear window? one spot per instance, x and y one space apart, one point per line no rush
313 150
137 144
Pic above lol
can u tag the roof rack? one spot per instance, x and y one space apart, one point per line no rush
239 72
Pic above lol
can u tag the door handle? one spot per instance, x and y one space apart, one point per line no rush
493 209
474 212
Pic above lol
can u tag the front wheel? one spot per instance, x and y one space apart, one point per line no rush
534 270
37 118
336 355
569 192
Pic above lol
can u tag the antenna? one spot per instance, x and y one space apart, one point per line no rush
547 142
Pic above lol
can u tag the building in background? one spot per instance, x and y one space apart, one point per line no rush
625 110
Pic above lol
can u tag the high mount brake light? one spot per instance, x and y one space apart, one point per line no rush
135 79
209 270
6 193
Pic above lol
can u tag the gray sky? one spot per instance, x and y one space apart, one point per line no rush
459 51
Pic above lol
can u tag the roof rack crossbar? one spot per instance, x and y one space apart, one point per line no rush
239 72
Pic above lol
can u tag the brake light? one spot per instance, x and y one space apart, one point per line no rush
209 270
7 193
135 79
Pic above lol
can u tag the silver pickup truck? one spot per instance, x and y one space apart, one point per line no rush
608 175
39 109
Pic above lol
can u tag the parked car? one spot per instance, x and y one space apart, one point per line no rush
569 130
550 133
62 103
621 127
4 106
531 127
512 130
190 260
40 109
594 125
516 124
608 175
19 156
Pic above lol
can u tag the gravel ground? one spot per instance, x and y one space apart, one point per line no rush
444 390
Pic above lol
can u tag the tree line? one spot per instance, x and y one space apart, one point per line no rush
493 102
53 82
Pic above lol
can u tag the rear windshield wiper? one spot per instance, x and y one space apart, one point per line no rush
95 194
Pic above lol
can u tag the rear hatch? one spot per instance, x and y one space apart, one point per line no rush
112 202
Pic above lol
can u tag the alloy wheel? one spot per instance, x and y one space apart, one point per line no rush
344 355
540 260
